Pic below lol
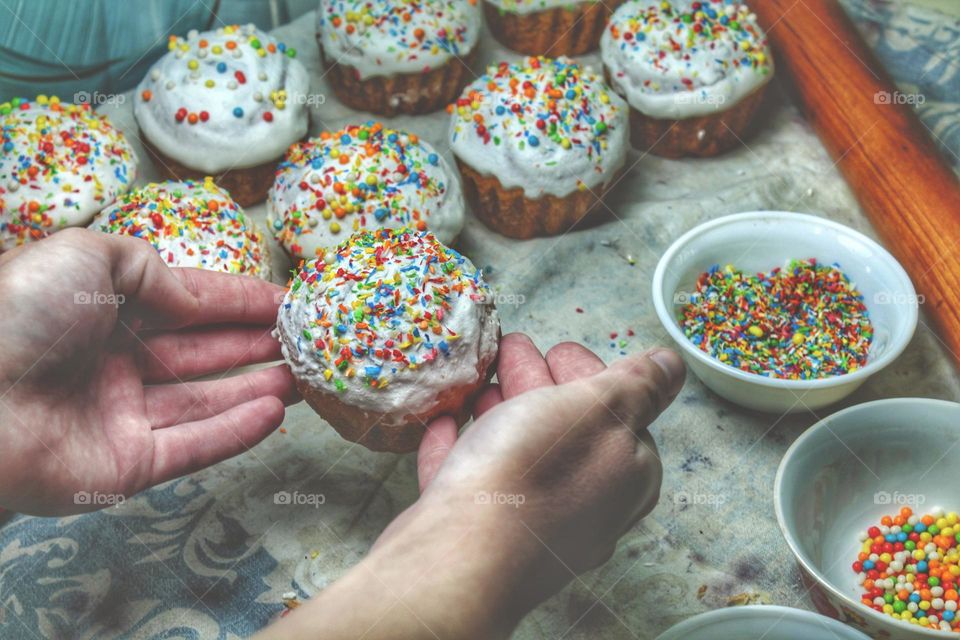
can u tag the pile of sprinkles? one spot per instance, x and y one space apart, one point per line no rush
222 63
59 164
909 568
414 27
361 176
195 224
381 304
804 322
670 38
543 101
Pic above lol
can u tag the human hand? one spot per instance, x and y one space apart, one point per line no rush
556 468
98 338
559 454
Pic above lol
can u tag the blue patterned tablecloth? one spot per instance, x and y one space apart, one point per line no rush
212 555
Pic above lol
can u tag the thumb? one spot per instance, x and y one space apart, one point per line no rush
638 388
153 296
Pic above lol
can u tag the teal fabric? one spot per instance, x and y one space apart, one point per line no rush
103 47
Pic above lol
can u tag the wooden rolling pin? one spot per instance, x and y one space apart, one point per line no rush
886 154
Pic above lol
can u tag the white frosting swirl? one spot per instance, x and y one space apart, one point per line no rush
361 177
681 60
393 319
224 99
60 164
547 126
384 37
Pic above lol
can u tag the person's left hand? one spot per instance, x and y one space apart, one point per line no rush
97 336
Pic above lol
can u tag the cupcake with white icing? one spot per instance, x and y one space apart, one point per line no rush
549 27
694 74
388 332
224 103
398 56
538 144
59 165
361 177
190 224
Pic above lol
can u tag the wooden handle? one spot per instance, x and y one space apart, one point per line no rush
905 186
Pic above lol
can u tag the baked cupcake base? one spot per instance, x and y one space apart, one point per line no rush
561 31
701 136
402 93
247 186
383 432
511 213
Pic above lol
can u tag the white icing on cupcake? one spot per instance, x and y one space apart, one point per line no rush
190 224
59 165
361 177
681 60
393 319
523 7
226 99
548 126
385 37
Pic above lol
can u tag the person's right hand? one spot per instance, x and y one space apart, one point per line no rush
560 453
556 468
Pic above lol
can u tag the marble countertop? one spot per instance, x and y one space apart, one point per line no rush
214 553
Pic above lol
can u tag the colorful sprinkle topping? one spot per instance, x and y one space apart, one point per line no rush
411 32
191 224
217 60
689 46
359 177
554 104
382 304
800 323
909 568
59 164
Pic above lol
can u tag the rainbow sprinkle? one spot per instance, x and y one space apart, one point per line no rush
217 60
800 323
909 568
414 27
361 176
191 224
549 102
59 164
666 34
379 305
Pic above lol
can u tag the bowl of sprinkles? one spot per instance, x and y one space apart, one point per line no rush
783 312
867 502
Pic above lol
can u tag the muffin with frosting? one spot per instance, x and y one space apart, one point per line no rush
59 165
388 332
224 103
361 177
694 74
549 27
538 144
190 224
398 56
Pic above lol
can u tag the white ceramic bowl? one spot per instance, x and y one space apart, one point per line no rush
758 622
846 472
760 241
